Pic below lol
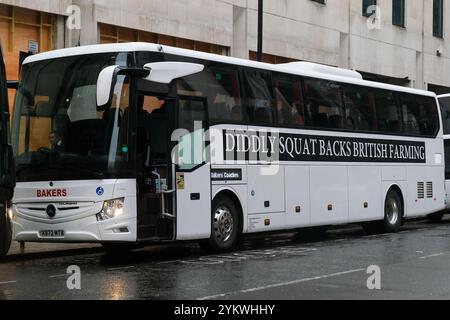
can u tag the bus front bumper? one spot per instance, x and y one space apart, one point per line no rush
87 230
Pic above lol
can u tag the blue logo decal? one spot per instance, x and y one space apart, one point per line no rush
100 191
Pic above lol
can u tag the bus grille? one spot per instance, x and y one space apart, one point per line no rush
420 190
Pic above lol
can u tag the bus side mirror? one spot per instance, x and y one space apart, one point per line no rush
105 87
107 80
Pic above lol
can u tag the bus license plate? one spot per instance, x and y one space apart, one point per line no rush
52 233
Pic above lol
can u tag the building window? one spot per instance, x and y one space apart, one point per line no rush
270 58
368 7
398 13
115 34
438 18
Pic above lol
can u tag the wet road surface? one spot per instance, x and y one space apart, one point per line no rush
414 264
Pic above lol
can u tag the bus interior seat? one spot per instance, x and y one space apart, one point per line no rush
61 124
221 111
263 115
394 126
87 137
336 122
44 109
320 120
236 113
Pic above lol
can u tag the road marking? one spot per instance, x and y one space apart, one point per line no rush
121 268
433 255
277 285
59 276
8 282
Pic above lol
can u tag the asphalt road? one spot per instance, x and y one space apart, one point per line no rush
413 264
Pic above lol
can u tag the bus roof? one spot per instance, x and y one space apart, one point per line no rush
305 69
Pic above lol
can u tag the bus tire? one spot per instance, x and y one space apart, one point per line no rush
393 212
225 227
436 217
5 232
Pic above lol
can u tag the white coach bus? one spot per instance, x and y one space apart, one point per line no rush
135 143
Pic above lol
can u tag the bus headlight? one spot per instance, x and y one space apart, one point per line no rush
11 215
111 209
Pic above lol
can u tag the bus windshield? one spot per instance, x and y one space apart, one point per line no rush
57 125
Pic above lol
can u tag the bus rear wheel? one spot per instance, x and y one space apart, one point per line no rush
5 232
225 227
393 212
393 216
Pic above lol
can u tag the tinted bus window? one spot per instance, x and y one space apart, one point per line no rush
445 108
289 101
389 112
220 86
324 104
258 91
224 86
447 159
360 108
419 115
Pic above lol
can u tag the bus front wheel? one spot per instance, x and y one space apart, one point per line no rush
225 227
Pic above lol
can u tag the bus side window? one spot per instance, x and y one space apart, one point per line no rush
411 109
445 107
324 104
219 84
289 101
359 107
389 112
431 117
259 97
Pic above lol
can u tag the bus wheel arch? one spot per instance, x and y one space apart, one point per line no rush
227 208
232 195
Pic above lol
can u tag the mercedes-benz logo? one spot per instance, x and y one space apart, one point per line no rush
51 211
51 184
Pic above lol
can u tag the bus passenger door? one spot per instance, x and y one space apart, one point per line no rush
193 170
155 172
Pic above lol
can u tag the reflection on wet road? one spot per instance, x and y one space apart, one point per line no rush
414 265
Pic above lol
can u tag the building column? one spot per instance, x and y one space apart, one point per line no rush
240 47
60 32
88 34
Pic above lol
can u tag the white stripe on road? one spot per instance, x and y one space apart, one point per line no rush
283 284
8 282
59 276
121 268
433 255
